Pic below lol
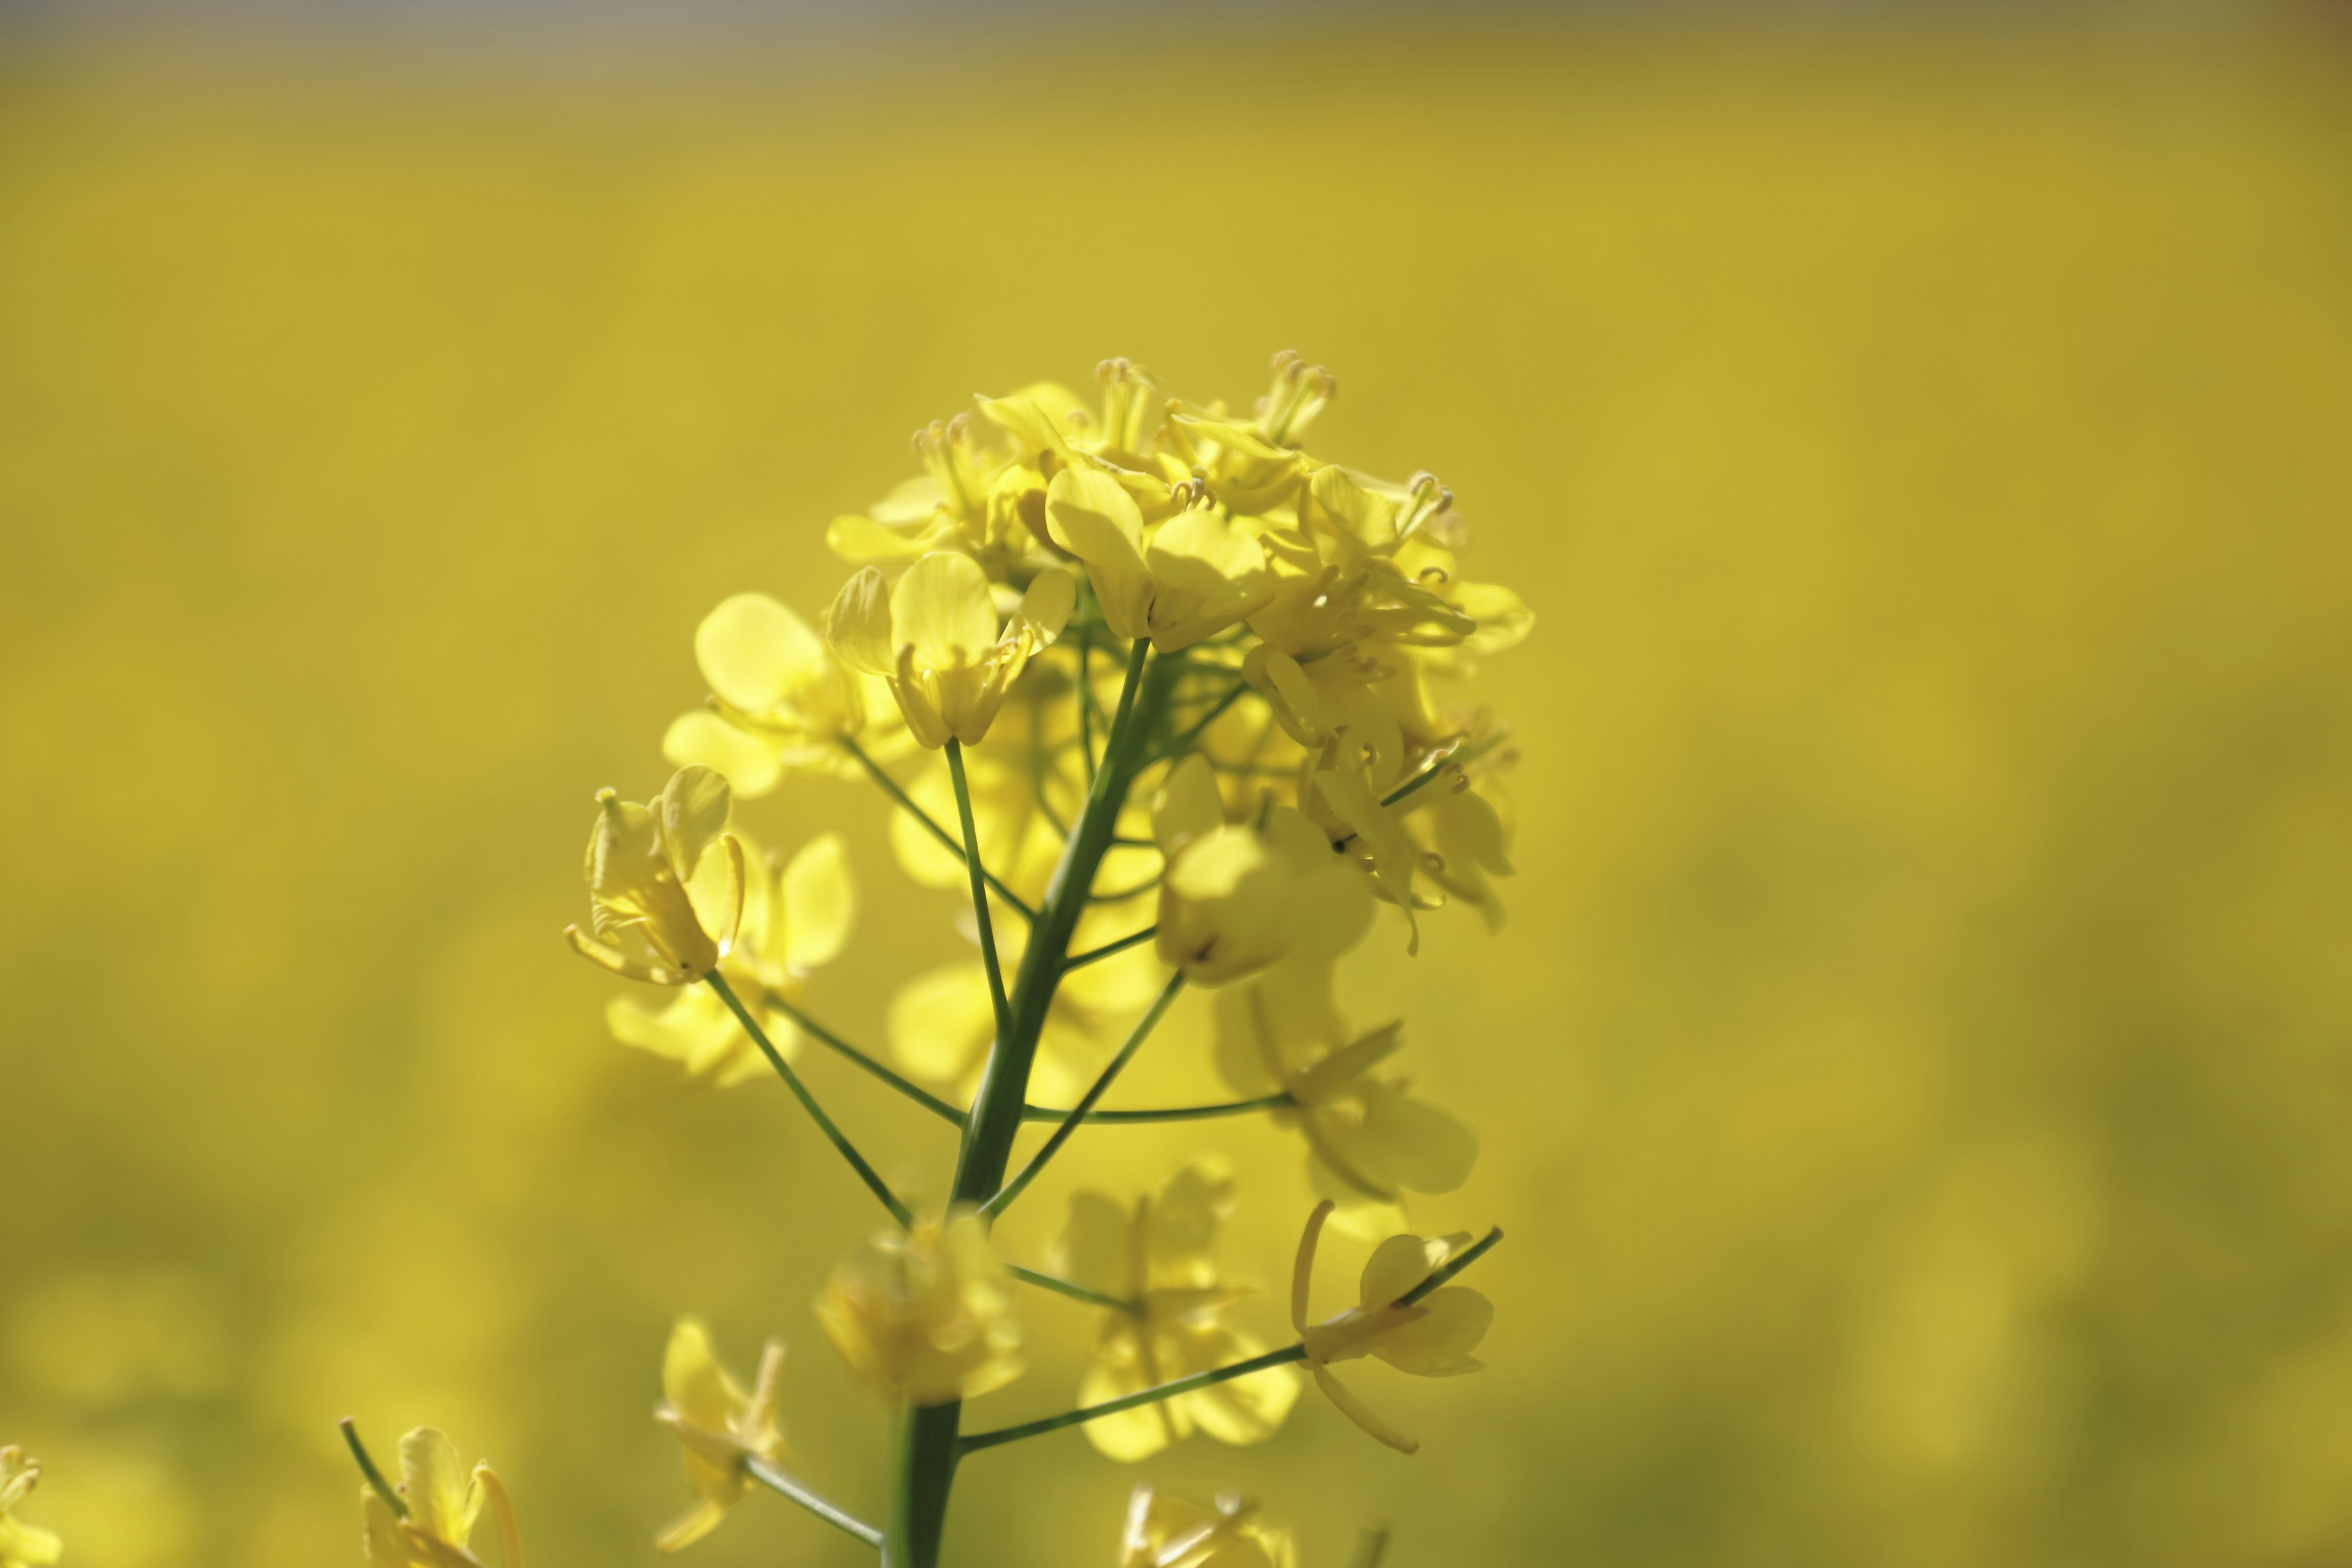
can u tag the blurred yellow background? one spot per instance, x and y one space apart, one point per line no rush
1915 1078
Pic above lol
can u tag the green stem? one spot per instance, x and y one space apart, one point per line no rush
1199 1379
866 1173
376 1483
1177 747
1470 1255
927 1448
1097 955
1073 1291
907 1086
979 892
1061 1134
1168 1113
891 787
783 1485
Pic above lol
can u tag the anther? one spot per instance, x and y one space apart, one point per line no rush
606 796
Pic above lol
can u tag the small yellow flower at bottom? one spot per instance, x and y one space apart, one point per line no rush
720 1426
22 1545
926 1315
1432 1338
442 1503
1164 1531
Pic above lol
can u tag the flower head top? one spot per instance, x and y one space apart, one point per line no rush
926 1314
1161 1255
1430 1337
22 1545
720 1427
441 1502
1168 1531
1239 897
665 882
937 640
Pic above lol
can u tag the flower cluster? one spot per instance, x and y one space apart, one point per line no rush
22 1545
1175 703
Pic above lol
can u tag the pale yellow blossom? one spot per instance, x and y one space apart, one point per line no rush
23 1546
1168 1531
1432 1338
1162 1256
926 1314
780 702
720 1427
937 639
665 882
443 1502
1238 897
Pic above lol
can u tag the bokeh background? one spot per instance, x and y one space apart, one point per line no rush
1917 1074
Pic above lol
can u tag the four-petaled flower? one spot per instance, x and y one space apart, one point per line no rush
925 1314
1432 1338
1165 1531
665 882
720 1427
779 701
937 640
1162 1256
442 1503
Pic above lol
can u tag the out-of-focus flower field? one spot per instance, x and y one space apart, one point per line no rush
1916 1076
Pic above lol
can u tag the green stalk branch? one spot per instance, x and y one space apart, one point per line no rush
1073 1291
866 1173
783 1485
1470 1255
1061 1134
979 893
906 1086
891 787
1199 1379
1108 949
1167 1113
374 1477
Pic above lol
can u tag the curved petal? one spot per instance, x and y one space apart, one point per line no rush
690 815
696 1386
941 1023
1188 807
1130 1435
1438 1344
1090 514
858 624
1093 1248
1396 1265
1422 1148
943 610
442 1499
751 764
1179 1238
820 903
753 652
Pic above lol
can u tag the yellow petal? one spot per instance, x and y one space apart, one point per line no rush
753 652
690 1527
1091 515
1045 608
1210 575
1419 1147
941 1023
1180 1232
863 540
1356 1410
1094 1248
1397 1265
820 903
442 1499
380 1540
690 813
1368 518
1248 1409
943 610
858 624
1188 805
699 1389
1131 1435
1438 1344
751 764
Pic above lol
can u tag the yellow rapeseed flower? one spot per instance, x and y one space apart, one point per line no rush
1432 1338
779 701
22 1545
442 1503
1369 1140
1167 1532
926 1314
665 882
1239 897
796 919
1191 577
937 639
1163 1255
719 1426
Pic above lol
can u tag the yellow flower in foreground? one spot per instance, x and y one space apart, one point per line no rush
1164 1531
1238 897
665 882
719 1424
443 1502
1195 575
796 919
1432 1338
925 1315
779 701
1164 1257
22 1545
935 638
